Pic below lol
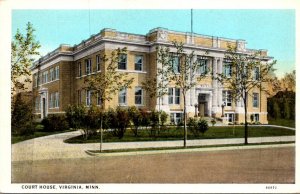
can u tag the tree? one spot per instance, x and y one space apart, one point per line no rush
23 50
247 72
106 83
181 70
288 82
136 118
21 117
158 85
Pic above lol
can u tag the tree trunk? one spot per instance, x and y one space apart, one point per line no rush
184 121
246 122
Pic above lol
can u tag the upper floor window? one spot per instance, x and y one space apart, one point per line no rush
98 62
138 95
79 69
88 98
122 96
203 65
98 98
122 64
56 102
174 95
56 72
255 100
51 74
256 73
51 100
227 98
227 69
37 103
88 66
138 64
45 77
176 63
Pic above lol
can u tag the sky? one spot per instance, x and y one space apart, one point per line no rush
273 30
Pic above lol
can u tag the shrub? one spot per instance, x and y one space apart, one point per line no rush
213 122
163 117
75 116
154 119
197 126
92 121
202 126
122 121
21 117
145 118
136 118
55 123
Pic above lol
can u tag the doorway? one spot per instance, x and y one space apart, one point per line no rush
202 109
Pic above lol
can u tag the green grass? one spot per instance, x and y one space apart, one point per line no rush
38 133
188 147
177 134
283 122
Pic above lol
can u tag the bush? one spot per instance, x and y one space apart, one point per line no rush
121 120
55 123
92 121
21 117
213 122
163 117
75 116
197 126
136 118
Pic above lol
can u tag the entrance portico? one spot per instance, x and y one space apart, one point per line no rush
204 99
43 92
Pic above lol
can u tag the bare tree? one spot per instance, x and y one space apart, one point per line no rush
244 72
107 83
181 70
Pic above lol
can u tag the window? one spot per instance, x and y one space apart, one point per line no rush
79 97
229 117
122 97
255 100
256 73
51 74
122 62
138 95
56 103
98 62
52 100
88 98
88 66
202 62
227 69
98 98
79 69
56 72
174 95
256 117
176 64
45 77
175 118
138 64
227 98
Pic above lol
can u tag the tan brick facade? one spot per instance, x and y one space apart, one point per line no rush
54 95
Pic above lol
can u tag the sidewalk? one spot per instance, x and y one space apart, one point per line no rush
53 147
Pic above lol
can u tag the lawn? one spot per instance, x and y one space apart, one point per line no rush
176 133
283 122
38 133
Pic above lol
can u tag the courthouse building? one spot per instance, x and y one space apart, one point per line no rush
58 77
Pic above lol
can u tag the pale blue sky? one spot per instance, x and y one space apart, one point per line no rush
273 30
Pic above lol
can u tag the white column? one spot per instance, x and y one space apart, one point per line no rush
215 86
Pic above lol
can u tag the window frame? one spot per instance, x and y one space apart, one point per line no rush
176 69
255 100
98 63
122 62
227 68
88 97
88 66
140 64
140 96
174 95
79 69
200 70
227 98
124 90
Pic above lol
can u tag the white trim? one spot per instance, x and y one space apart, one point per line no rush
51 62
60 112
130 71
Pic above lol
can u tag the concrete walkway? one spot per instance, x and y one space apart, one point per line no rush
53 147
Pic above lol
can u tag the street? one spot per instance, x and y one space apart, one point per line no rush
262 165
